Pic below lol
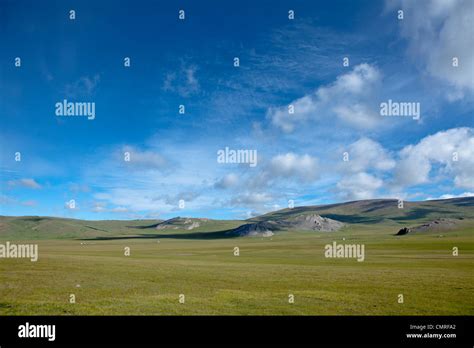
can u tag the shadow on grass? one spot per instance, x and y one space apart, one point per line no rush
379 205
144 227
185 235
94 228
354 219
35 218
464 202
420 213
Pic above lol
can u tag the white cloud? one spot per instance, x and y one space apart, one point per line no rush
251 199
441 149
304 107
144 159
227 181
173 200
148 199
437 31
134 199
366 153
412 169
349 99
359 186
357 82
99 207
84 87
119 210
358 115
4 200
359 181
448 196
291 165
185 82
28 183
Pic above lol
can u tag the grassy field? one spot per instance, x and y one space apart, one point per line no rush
214 281
86 258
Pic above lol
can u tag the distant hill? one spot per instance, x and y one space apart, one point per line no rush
321 218
38 227
182 223
299 222
381 210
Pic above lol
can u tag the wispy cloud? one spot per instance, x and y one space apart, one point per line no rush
184 82
350 99
438 31
85 86
28 183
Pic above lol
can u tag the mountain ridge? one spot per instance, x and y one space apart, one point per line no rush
361 212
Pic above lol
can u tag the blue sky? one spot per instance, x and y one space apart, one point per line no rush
190 62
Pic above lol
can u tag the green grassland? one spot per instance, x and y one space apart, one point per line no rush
200 264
